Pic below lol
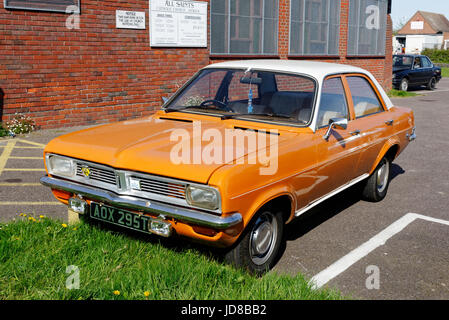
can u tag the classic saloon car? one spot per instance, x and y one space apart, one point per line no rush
326 127
414 70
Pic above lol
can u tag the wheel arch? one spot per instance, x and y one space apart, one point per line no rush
390 150
283 200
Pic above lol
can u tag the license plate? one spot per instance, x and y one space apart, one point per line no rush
121 218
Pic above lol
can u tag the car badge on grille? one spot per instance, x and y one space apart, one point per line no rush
86 171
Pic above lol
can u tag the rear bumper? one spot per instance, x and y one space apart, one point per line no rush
146 206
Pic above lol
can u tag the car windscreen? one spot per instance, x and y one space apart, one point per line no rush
254 95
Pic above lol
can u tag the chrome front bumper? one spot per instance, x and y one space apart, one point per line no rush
147 206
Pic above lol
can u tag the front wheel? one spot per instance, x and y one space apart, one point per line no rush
404 85
376 186
257 250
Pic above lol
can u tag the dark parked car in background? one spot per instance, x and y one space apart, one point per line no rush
414 70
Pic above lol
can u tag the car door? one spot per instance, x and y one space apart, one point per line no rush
338 155
427 70
372 122
414 75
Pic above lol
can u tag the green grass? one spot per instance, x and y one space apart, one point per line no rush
34 255
400 94
445 72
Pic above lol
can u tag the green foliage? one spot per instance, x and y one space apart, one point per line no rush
36 251
3 131
20 124
437 56
445 72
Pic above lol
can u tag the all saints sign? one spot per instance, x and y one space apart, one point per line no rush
178 23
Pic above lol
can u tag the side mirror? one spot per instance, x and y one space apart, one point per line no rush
340 123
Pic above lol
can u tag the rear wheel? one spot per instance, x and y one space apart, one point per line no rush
404 85
258 248
377 184
432 84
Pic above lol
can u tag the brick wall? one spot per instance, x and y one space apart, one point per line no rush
98 74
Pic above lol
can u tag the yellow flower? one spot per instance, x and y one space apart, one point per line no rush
41 217
74 229
116 292
64 225
147 293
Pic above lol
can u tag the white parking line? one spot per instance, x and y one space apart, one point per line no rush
378 240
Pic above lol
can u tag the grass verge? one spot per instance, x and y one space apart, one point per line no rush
35 254
400 94
445 72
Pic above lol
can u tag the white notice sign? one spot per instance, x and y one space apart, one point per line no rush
417 25
129 19
178 23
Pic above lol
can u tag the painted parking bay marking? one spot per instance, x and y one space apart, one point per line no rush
8 148
378 240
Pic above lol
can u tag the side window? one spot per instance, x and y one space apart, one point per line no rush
426 63
333 102
365 99
418 63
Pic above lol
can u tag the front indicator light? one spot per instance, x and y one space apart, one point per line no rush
78 205
160 228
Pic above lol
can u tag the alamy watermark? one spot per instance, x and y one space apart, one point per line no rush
229 146
73 21
373 280
73 280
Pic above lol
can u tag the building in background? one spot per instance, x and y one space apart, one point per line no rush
71 62
425 30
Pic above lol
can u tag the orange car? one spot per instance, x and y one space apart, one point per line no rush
238 152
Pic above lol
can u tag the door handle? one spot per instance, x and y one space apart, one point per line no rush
356 133
389 122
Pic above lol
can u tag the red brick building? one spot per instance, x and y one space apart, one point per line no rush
62 73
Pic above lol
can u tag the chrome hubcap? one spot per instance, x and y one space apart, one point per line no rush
263 238
382 177
404 86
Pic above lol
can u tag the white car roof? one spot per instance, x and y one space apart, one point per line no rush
318 70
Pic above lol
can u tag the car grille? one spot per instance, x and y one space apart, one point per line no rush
97 174
176 190
148 184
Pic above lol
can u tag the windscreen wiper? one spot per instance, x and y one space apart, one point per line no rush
169 110
271 115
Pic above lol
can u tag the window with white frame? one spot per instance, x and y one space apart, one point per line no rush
367 27
314 27
44 5
247 27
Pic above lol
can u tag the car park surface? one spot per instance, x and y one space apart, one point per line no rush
413 264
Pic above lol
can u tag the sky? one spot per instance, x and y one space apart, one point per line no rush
403 10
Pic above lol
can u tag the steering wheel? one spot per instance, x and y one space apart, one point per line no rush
221 105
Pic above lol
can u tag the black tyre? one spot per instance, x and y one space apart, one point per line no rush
404 85
432 84
376 186
258 248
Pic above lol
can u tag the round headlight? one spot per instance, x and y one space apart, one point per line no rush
60 166
203 197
